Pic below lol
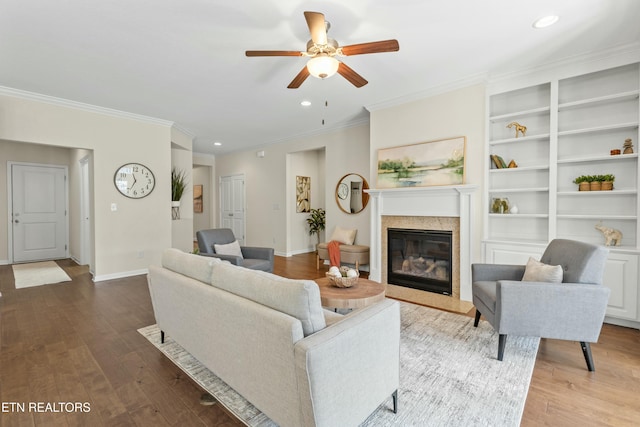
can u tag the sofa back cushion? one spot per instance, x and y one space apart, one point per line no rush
297 298
190 265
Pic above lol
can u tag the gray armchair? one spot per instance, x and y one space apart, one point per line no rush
254 258
572 310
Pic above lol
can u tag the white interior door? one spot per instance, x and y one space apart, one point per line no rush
38 212
232 214
85 212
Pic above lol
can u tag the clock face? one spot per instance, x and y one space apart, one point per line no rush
134 180
343 191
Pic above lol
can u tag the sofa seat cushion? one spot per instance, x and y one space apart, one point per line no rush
190 265
297 298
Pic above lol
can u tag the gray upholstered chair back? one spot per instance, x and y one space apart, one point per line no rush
218 236
581 262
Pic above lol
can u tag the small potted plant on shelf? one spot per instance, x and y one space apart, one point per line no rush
596 183
607 182
583 182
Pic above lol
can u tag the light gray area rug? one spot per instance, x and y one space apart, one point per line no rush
38 273
449 375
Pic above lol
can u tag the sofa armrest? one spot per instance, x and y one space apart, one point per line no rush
531 309
494 272
349 368
235 260
253 252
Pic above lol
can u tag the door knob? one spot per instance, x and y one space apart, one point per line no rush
17 221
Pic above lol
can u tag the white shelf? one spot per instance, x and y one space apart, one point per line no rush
616 97
533 112
519 190
598 158
604 128
518 215
598 217
519 169
597 193
521 139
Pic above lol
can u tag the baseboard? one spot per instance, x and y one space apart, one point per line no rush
622 322
4 262
120 275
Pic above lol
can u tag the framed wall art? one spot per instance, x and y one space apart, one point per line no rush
425 164
197 198
303 194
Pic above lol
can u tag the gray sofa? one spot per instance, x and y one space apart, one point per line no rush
269 338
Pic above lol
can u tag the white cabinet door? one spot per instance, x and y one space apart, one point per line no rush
620 275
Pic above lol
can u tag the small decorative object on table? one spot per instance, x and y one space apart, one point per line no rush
628 146
343 277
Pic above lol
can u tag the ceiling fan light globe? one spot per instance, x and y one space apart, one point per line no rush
323 66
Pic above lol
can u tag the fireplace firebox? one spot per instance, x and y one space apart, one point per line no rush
420 259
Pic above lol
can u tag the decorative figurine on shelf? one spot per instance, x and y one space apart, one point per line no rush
519 128
512 164
628 146
611 235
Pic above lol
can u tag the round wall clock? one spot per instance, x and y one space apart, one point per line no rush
343 190
134 180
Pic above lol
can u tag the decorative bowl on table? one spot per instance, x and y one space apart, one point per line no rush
343 277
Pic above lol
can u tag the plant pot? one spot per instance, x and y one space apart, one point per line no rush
607 185
595 185
584 186
175 209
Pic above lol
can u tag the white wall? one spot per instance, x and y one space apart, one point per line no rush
269 199
138 227
457 113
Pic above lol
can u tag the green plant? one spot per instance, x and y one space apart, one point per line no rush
178 184
582 178
316 221
608 178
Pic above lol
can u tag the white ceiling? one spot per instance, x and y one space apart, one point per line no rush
183 60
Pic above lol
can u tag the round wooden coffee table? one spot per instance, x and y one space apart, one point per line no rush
362 294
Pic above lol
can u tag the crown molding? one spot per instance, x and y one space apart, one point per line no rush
33 96
429 92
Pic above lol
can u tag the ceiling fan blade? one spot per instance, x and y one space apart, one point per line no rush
347 72
299 79
371 47
317 27
273 53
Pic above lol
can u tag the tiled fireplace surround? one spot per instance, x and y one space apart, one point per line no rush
425 208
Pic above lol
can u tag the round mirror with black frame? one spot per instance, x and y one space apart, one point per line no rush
350 195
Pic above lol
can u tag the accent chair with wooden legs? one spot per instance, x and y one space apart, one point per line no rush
520 300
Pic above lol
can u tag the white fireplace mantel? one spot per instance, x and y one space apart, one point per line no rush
441 201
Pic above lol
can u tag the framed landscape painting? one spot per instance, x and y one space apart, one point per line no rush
421 165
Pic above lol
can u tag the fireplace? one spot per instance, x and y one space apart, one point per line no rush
420 259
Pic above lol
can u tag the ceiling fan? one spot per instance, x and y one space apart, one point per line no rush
322 52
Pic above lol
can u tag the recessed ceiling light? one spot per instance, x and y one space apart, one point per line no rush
305 103
217 143
545 21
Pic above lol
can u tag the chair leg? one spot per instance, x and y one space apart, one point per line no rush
317 262
394 396
478 314
162 337
502 341
588 357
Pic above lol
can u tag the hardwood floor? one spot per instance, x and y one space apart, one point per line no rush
78 342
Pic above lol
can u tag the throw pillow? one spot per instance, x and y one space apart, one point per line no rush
344 235
539 272
232 248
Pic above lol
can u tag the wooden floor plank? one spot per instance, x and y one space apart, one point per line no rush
78 341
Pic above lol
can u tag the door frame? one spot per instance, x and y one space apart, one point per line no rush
10 165
86 217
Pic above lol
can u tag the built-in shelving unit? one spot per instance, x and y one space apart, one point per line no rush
572 123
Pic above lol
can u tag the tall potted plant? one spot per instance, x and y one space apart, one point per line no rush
316 221
178 185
